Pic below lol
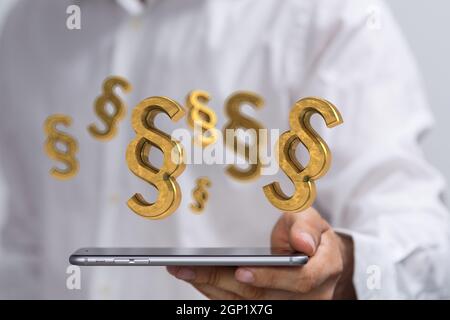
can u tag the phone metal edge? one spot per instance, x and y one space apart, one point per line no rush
187 261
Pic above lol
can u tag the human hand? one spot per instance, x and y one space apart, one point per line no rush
327 275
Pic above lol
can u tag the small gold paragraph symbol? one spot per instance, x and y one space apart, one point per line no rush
201 116
200 194
108 96
237 120
67 155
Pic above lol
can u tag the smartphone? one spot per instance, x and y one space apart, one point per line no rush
186 257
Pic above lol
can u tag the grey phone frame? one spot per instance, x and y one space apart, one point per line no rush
187 260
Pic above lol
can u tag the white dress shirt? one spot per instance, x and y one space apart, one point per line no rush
380 188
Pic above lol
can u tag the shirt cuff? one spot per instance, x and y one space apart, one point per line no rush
374 272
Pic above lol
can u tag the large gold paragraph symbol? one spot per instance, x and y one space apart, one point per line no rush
109 120
66 156
240 121
201 116
320 156
137 156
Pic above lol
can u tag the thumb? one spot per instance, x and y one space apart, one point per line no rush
305 230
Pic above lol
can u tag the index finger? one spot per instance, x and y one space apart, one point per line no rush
304 231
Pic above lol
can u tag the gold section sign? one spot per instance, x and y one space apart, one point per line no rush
320 156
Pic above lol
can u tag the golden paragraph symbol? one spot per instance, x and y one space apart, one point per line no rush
66 156
201 116
320 156
137 156
240 121
200 194
109 120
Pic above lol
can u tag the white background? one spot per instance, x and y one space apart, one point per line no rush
426 25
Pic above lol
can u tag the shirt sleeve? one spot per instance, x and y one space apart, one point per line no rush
380 190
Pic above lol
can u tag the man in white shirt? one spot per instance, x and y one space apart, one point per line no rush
379 228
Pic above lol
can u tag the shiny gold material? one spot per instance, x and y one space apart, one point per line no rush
200 194
320 156
238 120
108 96
201 116
67 156
148 136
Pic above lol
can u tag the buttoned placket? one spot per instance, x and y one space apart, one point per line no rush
103 285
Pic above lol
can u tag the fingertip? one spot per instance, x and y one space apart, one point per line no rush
182 273
244 275
303 242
